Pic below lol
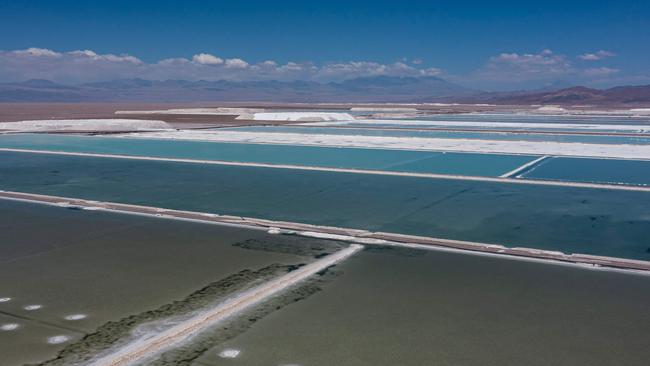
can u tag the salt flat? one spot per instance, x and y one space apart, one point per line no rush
414 143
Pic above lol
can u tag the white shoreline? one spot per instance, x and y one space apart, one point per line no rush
153 344
516 147
619 187
359 236
531 125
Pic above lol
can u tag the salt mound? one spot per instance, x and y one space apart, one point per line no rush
85 125
551 109
299 116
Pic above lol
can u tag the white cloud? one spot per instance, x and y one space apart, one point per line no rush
596 56
37 52
346 70
81 66
530 65
207 59
600 71
236 63
510 70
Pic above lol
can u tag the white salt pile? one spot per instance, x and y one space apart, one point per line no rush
299 116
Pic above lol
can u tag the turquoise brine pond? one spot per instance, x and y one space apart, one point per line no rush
572 220
634 172
491 165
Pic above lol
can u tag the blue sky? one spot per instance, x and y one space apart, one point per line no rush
471 42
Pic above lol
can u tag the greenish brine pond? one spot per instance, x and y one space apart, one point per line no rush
73 275
406 307
572 220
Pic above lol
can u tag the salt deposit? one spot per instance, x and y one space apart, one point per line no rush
151 344
415 143
640 111
75 317
299 116
518 125
9 327
229 353
32 307
551 109
382 109
58 339
84 125
5 299
198 111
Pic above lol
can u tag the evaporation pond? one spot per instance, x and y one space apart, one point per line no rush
405 307
570 219
67 272
330 157
636 172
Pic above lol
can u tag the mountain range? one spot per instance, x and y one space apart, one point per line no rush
358 90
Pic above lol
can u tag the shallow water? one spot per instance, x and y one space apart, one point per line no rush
574 220
405 307
593 170
375 159
107 267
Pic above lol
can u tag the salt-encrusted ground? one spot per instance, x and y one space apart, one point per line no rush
414 143
90 125
638 128
198 111
299 116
